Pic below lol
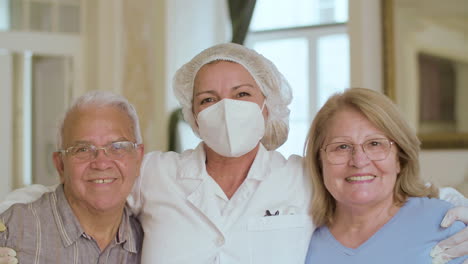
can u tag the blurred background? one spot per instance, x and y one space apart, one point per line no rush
52 51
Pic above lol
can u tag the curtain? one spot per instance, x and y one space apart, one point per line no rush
241 12
176 117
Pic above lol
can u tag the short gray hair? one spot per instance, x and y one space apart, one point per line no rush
101 99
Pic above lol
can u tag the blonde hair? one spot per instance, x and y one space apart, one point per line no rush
383 114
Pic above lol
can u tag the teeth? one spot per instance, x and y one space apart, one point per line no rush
103 181
360 178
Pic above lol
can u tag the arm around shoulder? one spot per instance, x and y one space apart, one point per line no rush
135 199
25 195
453 196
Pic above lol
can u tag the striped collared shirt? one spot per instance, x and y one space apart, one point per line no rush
47 231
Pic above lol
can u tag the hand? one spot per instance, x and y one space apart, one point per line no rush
456 245
7 255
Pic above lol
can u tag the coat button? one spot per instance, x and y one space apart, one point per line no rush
219 241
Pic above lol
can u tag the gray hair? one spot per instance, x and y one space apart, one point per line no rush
272 83
101 99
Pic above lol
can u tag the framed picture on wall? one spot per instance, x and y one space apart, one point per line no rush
428 79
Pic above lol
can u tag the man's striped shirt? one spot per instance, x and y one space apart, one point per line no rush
47 231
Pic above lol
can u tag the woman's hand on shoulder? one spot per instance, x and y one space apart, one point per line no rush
456 245
7 255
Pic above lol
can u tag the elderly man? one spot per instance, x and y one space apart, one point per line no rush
85 220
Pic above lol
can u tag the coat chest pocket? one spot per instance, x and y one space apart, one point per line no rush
278 239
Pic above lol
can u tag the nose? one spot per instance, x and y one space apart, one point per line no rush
101 161
359 158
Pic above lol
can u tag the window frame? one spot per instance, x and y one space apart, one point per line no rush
311 34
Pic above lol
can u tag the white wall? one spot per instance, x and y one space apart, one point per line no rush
444 167
364 30
191 27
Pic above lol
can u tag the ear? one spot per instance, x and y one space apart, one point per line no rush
265 113
320 160
398 165
140 152
59 166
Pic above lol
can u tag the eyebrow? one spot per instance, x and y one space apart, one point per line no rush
346 139
204 92
233 88
83 142
241 85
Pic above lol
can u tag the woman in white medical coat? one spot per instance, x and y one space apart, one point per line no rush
232 199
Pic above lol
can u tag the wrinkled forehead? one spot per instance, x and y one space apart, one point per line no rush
330 117
97 121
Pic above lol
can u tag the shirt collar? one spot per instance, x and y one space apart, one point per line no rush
70 229
259 169
127 234
193 164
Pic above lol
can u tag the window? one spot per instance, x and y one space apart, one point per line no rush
61 16
308 42
40 51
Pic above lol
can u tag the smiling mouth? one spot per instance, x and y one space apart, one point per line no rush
360 178
103 180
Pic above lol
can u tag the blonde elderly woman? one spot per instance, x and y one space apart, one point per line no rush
369 202
233 199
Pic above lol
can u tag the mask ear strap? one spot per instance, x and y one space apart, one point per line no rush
263 106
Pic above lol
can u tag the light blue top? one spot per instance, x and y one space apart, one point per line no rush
407 238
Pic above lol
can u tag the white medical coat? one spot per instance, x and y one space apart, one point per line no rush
186 219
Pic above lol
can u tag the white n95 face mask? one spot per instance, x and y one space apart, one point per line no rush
231 127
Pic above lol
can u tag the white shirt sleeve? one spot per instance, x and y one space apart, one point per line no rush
25 195
453 196
134 200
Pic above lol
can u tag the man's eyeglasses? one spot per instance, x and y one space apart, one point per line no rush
341 152
112 150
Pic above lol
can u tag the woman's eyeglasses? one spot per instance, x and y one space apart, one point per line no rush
341 152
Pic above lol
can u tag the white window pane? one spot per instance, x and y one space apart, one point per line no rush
333 65
296 138
4 15
341 11
69 19
185 137
291 58
11 15
41 17
49 84
274 14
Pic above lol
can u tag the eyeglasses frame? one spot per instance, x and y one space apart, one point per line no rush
104 148
391 142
